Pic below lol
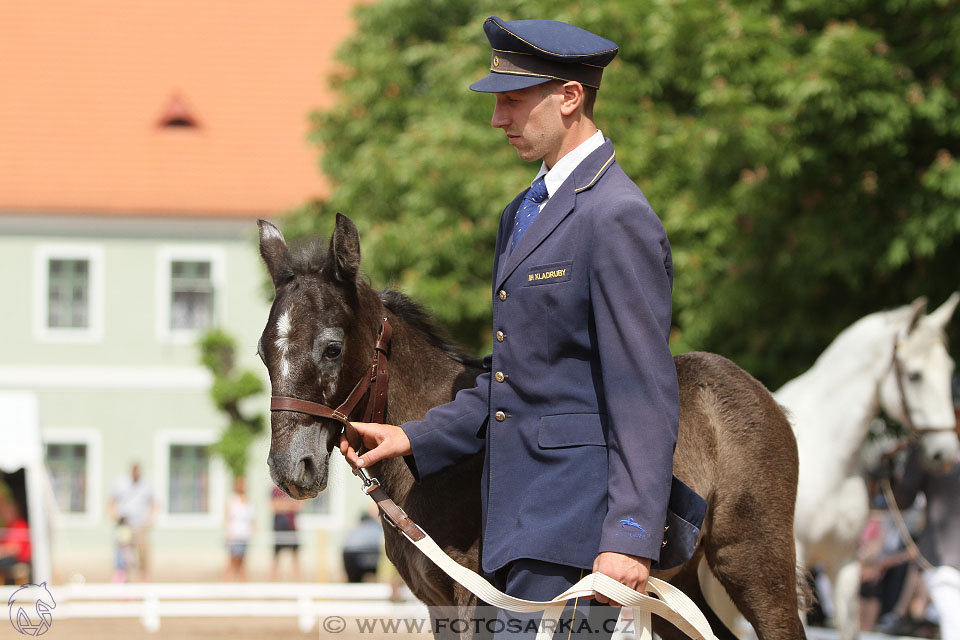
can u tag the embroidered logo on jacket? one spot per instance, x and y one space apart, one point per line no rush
630 523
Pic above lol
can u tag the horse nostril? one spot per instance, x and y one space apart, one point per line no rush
306 471
938 456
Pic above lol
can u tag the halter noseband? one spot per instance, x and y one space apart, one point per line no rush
375 410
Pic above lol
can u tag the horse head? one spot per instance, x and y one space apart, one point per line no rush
315 346
916 390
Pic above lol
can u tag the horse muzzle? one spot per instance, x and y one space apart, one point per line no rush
299 463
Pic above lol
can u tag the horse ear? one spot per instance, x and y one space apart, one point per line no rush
344 253
276 255
917 308
941 316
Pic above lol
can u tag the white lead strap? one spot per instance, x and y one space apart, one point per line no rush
670 603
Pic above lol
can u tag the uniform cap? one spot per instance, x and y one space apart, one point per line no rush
530 52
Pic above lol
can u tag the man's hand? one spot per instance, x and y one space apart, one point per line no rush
632 571
382 440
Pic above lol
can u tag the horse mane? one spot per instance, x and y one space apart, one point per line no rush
420 320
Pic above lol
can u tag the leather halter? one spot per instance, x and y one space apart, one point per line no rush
375 410
914 430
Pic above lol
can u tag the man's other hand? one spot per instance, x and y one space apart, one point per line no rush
632 571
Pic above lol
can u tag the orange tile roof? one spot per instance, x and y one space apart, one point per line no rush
85 85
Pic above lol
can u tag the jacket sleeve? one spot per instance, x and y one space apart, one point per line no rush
631 281
450 432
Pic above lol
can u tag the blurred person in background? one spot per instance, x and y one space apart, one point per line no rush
285 538
890 583
239 530
940 541
361 549
123 558
132 500
14 544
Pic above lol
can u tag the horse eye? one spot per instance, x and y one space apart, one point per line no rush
333 350
915 376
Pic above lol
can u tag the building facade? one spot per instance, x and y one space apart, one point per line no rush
141 143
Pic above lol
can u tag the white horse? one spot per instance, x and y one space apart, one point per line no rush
831 406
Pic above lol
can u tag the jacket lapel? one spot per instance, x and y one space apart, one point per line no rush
557 208
503 239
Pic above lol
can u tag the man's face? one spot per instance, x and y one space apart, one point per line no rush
532 121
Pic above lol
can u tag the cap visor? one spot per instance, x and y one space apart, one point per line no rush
501 82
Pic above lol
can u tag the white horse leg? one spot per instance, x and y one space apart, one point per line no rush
846 591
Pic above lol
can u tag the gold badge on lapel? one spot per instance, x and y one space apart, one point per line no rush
549 273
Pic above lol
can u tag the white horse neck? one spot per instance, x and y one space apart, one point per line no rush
831 405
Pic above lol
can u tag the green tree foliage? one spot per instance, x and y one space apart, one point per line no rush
229 389
801 154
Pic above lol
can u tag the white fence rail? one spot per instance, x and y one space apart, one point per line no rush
151 602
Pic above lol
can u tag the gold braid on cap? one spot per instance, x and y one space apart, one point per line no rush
527 64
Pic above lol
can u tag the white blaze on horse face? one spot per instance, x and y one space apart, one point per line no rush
284 325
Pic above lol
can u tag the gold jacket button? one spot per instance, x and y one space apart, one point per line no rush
500 336
499 377
502 294
500 416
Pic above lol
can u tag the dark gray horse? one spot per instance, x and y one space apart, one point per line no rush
735 446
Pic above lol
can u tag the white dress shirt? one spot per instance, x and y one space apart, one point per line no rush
565 165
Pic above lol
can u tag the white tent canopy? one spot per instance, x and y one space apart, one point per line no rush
20 449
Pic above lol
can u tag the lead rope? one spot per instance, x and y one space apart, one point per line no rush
902 527
665 600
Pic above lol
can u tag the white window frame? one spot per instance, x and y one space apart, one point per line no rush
93 440
43 254
165 520
166 255
338 478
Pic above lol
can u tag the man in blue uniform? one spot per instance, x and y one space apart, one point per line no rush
577 413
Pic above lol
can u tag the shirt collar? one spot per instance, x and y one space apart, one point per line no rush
565 165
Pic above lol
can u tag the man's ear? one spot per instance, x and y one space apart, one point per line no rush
572 98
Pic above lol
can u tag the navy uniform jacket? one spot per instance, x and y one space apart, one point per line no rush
580 402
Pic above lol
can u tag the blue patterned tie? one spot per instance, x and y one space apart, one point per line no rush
529 208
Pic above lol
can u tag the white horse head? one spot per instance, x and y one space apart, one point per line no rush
921 398
833 403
